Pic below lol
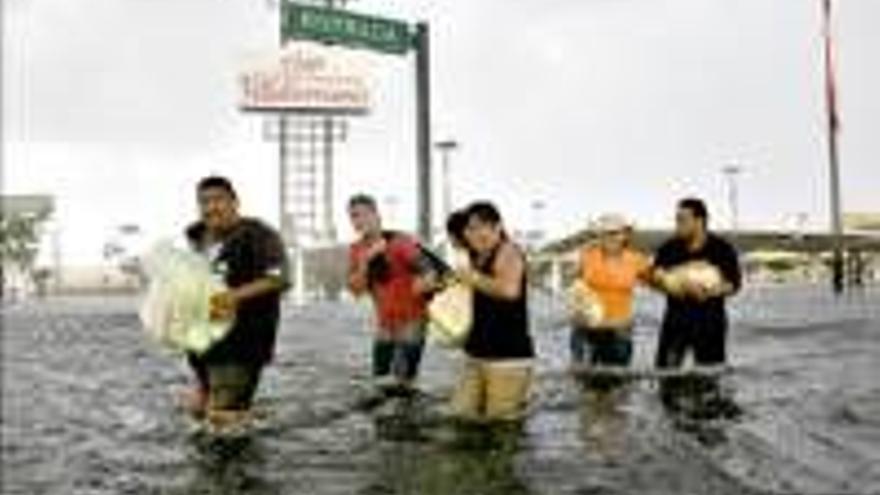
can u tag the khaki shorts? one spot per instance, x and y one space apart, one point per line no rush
493 390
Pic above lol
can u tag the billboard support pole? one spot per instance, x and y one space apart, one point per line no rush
423 131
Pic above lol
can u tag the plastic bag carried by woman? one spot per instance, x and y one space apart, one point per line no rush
176 311
584 306
450 315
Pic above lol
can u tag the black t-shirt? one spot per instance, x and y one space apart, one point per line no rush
716 251
252 250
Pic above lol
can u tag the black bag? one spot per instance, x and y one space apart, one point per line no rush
379 268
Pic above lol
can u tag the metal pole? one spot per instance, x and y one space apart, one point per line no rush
537 235
447 187
423 131
282 178
732 173
446 148
833 156
329 229
282 151
285 226
56 253
389 206
836 223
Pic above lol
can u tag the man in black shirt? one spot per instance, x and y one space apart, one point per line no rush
695 318
249 256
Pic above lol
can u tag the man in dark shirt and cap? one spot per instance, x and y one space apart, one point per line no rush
249 256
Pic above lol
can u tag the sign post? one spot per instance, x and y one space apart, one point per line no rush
423 131
333 26
308 79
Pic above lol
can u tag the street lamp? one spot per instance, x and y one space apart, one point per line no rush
446 148
390 205
537 234
731 173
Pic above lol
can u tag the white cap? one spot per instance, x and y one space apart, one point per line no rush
611 222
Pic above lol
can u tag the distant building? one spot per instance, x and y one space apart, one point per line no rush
26 204
861 221
103 278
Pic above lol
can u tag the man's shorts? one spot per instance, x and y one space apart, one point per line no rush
230 386
401 355
610 347
233 386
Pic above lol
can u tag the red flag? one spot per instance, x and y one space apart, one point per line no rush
830 85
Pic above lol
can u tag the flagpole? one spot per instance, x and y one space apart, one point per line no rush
833 155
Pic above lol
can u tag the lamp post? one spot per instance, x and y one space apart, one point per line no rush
390 205
537 234
731 173
446 148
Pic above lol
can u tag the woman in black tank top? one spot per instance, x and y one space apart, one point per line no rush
497 373
500 326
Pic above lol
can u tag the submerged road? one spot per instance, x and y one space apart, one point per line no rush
88 409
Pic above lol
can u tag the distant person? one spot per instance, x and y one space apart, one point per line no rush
387 265
611 270
497 374
249 256
695 319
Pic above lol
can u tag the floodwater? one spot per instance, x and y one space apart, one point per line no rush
88 408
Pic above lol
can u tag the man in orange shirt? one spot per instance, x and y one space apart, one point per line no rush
610 269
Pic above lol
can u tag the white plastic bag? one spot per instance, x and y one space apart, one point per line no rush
176 309
584 305
450 315
699 273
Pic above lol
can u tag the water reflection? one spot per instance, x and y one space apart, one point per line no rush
702 406
445 457
230 465
811 421
603 423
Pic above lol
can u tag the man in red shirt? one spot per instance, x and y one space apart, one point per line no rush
387 266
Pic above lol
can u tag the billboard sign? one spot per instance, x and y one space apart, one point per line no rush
307 77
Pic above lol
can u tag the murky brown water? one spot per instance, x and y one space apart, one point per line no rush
87 409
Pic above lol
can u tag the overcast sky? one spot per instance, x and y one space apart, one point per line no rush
118 106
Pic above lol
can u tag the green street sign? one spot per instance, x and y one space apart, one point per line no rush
345 28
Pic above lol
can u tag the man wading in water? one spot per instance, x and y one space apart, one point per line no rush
388 266
249 256
695 318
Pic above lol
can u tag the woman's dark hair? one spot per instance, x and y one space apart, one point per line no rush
362 200
486 212
216 182
697 207
455 225
483 211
